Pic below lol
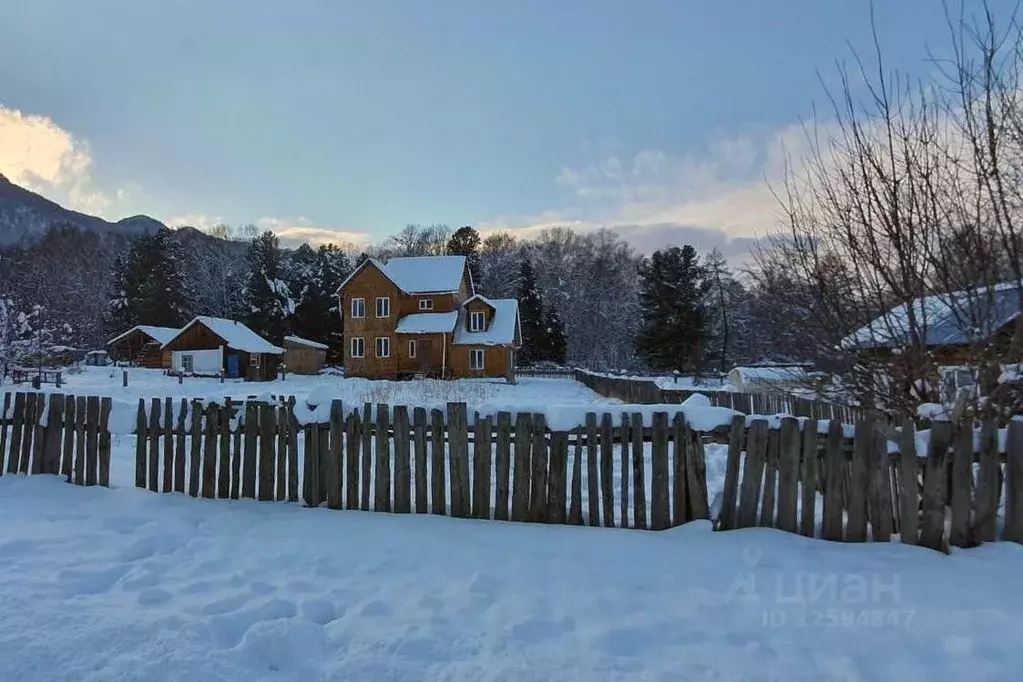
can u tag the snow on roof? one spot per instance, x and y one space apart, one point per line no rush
479 297
235 334
503 326
427 323
419 274
956 318
305 342
160 334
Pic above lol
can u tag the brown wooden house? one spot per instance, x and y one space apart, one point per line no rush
209 346
420 316
142 346
302 356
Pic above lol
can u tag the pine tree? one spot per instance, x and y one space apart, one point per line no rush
531 317
313 278
466 242
555 343
672 296
149 286
268 300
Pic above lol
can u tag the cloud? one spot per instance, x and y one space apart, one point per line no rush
38 154
294 231
720 197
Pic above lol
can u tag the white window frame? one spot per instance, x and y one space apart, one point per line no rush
358 311
477 315
412 348
426 304
386 301
352 345
386 346
477 353
188 363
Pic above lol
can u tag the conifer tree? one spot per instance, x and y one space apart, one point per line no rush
466 242
268 300
149 285
531 316
672 298
556 345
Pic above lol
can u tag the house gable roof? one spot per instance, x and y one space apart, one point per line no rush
235 335
159 334
504 327
419 274
299 341
480 297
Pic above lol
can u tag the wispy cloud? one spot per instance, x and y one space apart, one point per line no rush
294 231
37 153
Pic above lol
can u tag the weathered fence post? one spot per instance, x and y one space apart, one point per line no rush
141 438
224 469
909 493
638 472
962 485
752 474
1013 529
421 464
523 468
104 442
835 473
53 432
592 478
353 445
988 484
863 443
539 476
807 519
502 487
332 476
209 452
458 452
251 429
168 445
730 493
367 456
402 462
788 474
68 460
195 453
179 449
483 434
382 488
933 522
626 471
660 518
437 478
607 469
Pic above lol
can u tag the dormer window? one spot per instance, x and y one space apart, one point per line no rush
426 304
477 321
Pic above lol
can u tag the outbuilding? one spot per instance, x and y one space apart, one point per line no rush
142 346
302 356
209 346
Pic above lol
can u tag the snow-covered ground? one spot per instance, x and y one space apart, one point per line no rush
122 584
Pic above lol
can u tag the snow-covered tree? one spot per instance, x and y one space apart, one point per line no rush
268 300
149 286
673 293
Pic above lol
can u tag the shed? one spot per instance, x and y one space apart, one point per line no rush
209 346
302 356
97 358
773 378
142 346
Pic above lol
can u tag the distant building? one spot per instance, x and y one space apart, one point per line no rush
302 356
759 379
212 345
142 346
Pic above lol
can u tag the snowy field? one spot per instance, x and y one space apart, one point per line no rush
122 584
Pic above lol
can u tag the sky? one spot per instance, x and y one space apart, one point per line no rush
332 120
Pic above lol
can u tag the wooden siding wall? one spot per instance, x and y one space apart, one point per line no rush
497 361
479 306
197 337
302 359
132 348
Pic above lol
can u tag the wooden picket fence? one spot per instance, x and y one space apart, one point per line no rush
56 434
868 487
392 459
636 390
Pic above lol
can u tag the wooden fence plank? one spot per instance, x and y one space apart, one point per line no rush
696 476
660 517
483 444
323 453
267 465
638 473
438 479
909 492
382 482
680 485
730 493
988 483
808 476
420 459
104 442
557 487
3 430
224 467
523 468
402 462
752 474
962 486
154 433
1013 528
880 490
281 455
592 477
767 509
367 456
250 433
503 466
168 445
179 450
92 441
27 434
293 429
863 443
932 523
195 453
81 456
575 511
209 451
332 477
458 452
68 459
625 472
39 435
539 456
17 433
353 445
788 474
53 432
311 489
835 475
607 491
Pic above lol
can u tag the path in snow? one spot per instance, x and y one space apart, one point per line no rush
100 584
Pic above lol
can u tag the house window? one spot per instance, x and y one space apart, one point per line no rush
476 359
383 307
477 321
426 304
412 348
358 307
383 346
358 347
188 363
254 360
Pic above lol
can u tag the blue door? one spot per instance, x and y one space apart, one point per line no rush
232 366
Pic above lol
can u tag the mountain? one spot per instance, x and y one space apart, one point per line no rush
25 215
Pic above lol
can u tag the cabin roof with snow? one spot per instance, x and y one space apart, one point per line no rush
418 274
234 334
958 318
159 334
299 341
503 330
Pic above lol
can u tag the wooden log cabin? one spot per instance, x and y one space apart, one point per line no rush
142 346
302 356
421 317
209 346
